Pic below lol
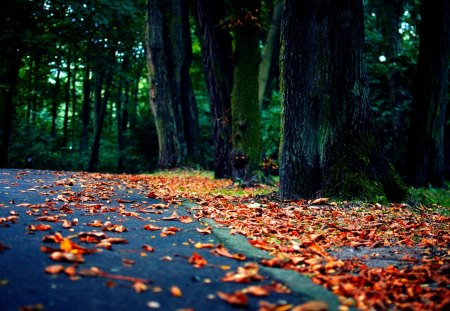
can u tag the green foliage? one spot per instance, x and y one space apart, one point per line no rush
438 199
270 126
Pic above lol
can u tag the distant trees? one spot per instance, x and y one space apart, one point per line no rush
75 90
328 146
428 117
217 61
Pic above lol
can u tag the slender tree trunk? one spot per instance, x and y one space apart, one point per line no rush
270 53
55 99
163 101
188 102
328 147
426 135
217 56
73 95
246 125
86 107
67 98
103 81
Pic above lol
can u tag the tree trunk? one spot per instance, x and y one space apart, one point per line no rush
426 135
246 131
55 99
187 98
328 147
217 55
67 98
270 53
86 108
103 80
164 100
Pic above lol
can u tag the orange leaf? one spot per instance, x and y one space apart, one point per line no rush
54 269
222 251
197 261
207 230
185 219
150 227
148 248
176 291
140 287
312 305
236 299
258 291
174 216
203 245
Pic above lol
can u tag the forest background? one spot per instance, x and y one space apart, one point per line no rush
76 94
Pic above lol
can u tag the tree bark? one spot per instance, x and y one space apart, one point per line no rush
55 99
246 127
217 55
163 77
103 81
86 107
426 135
270 53
328 147
67 98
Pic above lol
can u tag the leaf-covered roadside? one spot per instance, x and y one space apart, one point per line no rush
301 236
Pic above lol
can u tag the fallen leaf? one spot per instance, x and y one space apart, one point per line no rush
66 256
237 299
174 216
312 305
54 269
197 261
258 291
203 245
185 219
39 227
140 287
148 248
150 227
319 201
222 251
207 230
176 291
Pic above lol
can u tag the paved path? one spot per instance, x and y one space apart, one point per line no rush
72 206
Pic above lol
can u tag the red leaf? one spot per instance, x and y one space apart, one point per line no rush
237 299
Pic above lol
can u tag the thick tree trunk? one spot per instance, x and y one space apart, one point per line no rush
162 98
217 55
328 147
426 135
270 54
246 125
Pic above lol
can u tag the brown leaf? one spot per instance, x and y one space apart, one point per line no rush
222 251
150 227
237 299
319 201
312 305
207 230
148 248
185 219
197 261
54 269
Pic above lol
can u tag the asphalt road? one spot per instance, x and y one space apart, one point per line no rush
28 195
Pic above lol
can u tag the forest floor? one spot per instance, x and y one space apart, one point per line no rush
184 241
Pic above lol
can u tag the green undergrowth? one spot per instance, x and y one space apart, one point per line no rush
435 198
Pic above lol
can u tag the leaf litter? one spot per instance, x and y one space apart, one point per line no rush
371 256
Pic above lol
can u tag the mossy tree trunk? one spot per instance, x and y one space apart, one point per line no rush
328 147
426 135
216 55
164 98
246 119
